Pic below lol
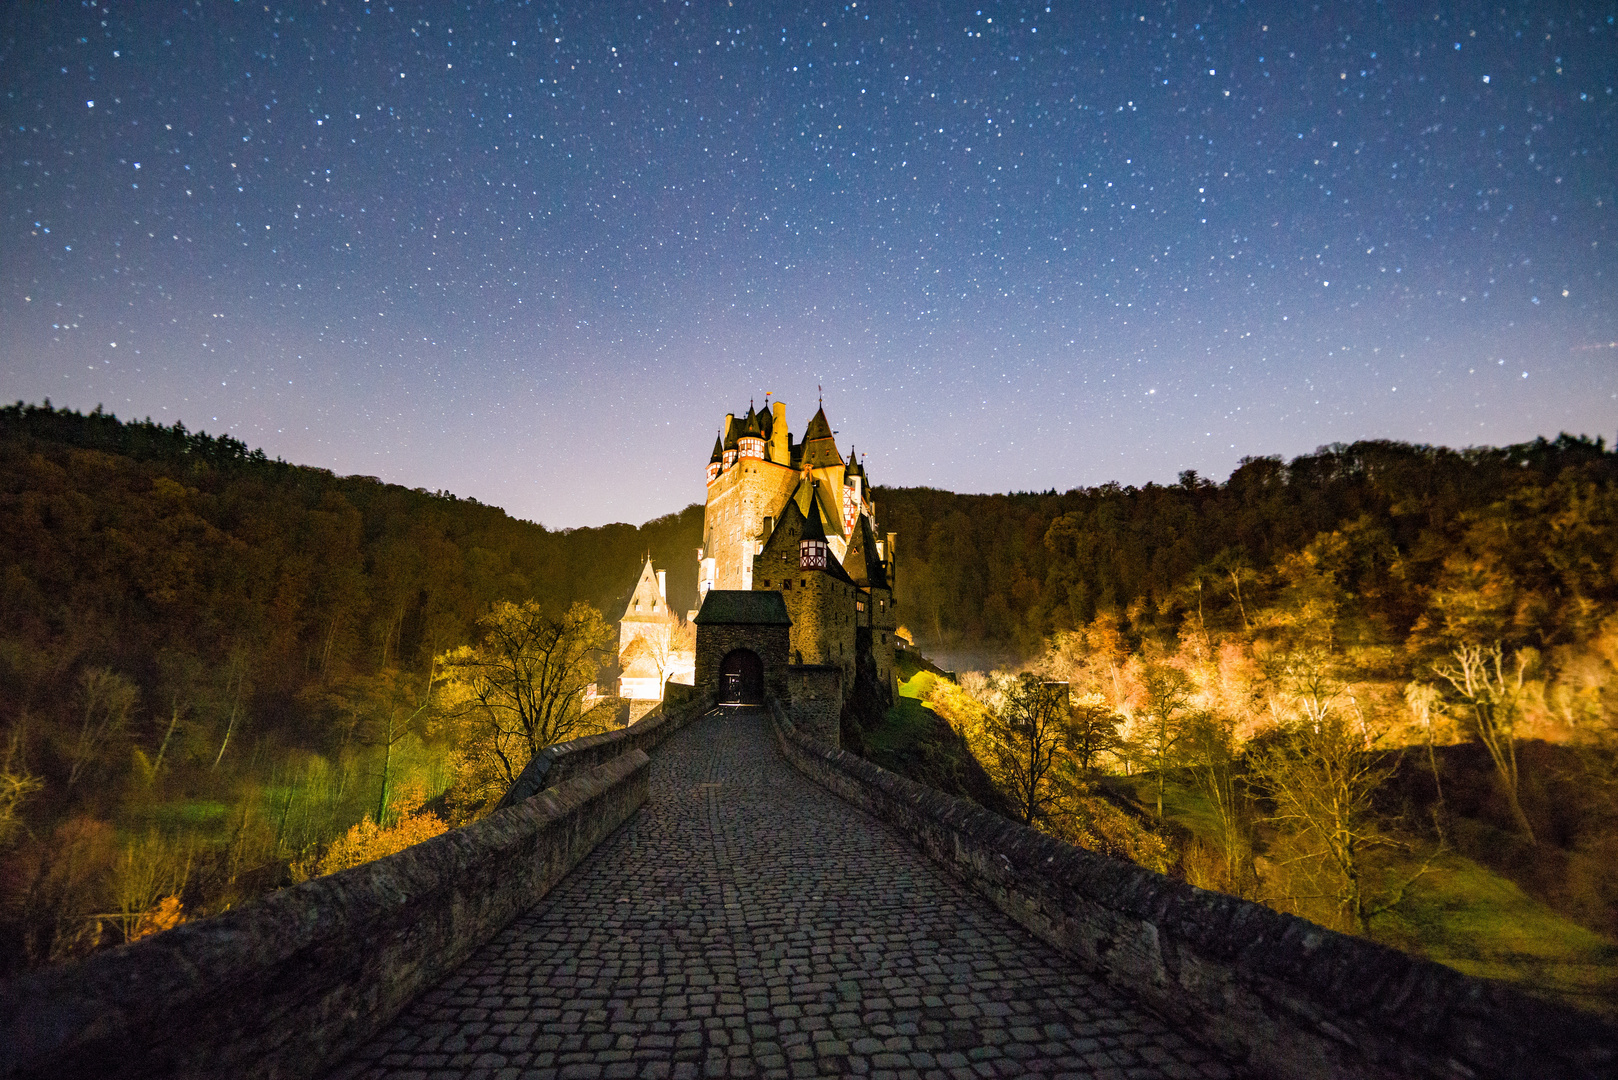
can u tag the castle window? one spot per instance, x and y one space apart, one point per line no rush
766 583
786 584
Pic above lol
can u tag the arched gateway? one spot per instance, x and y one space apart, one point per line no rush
741 678
742 641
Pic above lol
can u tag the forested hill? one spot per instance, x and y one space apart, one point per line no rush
150 550
1416 545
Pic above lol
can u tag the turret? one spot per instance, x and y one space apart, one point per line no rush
717 462
730 446
750 444
853 492
812 548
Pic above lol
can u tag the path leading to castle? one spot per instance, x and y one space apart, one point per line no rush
749 923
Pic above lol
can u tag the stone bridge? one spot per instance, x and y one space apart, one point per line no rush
715 893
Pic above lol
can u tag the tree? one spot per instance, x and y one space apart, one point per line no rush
1026 733
1490 698
235 689
107 700
1211 745
1093 730
518 690
16 785
1321 776
1168 697
386 706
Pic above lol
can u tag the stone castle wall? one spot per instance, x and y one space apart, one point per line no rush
737 504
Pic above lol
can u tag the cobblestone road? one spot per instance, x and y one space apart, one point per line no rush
749 923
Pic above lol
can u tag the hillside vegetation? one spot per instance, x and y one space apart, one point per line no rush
220 674
1376 686
213 665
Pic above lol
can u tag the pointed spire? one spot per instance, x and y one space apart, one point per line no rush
718 450
819 446
814 528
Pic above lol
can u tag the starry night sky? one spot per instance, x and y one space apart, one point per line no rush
533 252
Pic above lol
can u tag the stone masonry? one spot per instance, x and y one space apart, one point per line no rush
748 923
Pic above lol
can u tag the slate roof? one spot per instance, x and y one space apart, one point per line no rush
743 607
862 561
819 447
718 450
813 527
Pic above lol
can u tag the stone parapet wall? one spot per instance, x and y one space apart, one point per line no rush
817 701
563 761
1285 996
286 985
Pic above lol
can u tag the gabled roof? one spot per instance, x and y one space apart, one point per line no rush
652 604
861 561
743 607
819 446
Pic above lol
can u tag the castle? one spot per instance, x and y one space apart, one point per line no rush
792 523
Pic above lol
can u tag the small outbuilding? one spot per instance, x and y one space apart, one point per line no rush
744 639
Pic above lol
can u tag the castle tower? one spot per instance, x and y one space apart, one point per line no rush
655 645
798 518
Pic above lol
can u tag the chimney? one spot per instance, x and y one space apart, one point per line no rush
662 585
780 437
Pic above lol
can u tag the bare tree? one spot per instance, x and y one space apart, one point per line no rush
1420 699
1211 746
1026 733
1490 698
236 680
519 688
1321 776
107 700
16 785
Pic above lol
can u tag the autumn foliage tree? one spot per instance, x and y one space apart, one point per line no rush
519 688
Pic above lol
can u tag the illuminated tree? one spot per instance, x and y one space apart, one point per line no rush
1026 733
1211 747
1321 777
518 690
1489 696
1162 721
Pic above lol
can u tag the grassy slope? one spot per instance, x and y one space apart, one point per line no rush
1460 913
914 742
